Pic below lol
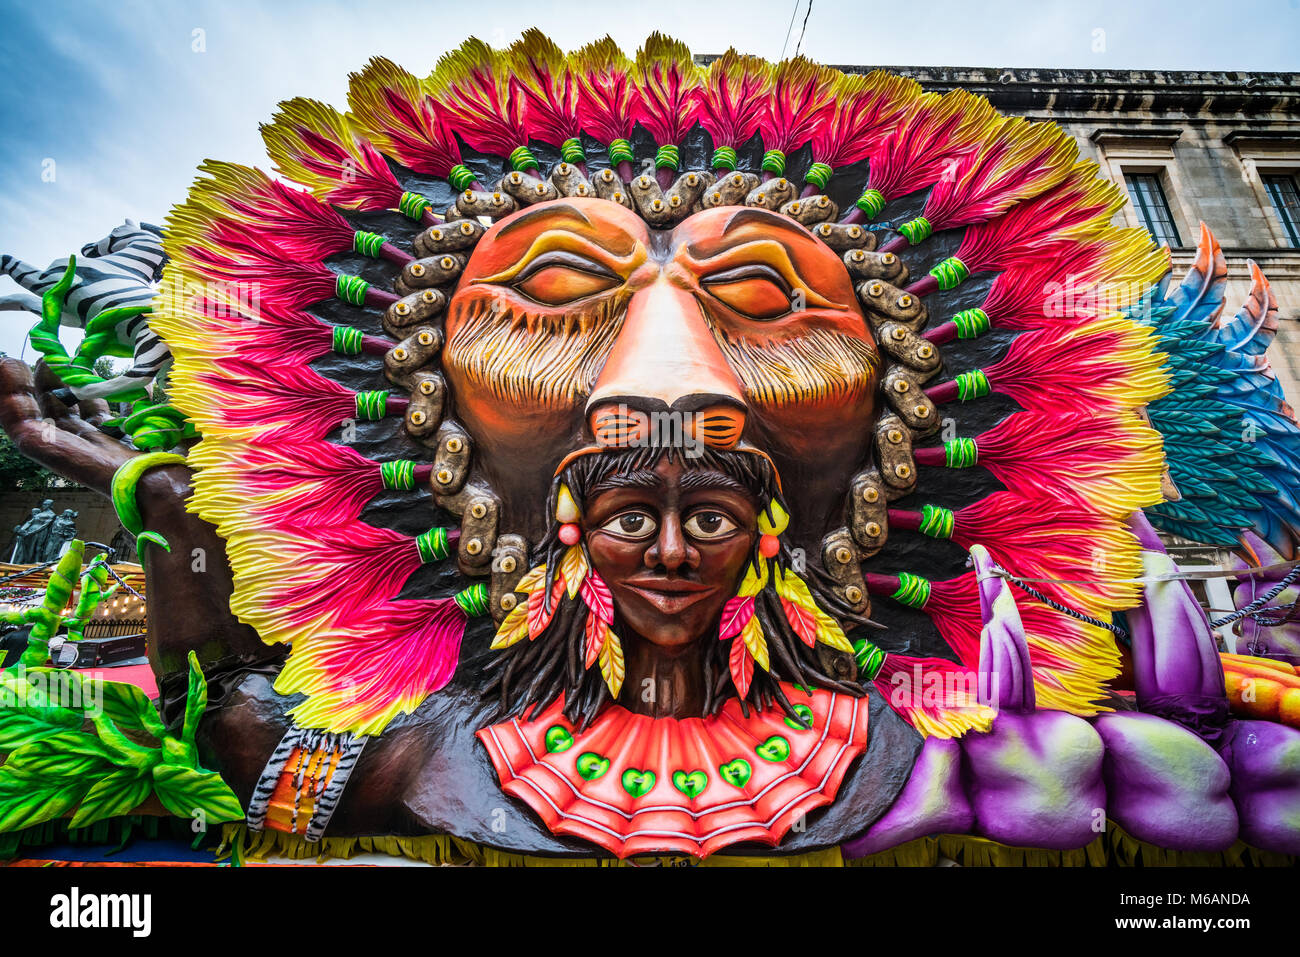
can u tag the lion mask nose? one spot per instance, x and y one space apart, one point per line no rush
666 371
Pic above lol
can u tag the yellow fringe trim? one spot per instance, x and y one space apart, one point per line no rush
1115 848
443 849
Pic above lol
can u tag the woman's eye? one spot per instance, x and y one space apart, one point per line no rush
631 525
755 297
559 285
709 524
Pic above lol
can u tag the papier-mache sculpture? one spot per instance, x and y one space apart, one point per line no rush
574 477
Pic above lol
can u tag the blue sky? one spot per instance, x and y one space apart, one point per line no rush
126 98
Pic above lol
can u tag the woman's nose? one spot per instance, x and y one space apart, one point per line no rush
671 550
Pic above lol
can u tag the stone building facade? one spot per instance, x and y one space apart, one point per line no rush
1222 147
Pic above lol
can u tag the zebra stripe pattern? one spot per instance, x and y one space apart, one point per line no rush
117 271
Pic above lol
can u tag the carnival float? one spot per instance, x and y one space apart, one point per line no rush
595 457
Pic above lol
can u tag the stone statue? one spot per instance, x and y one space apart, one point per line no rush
62 531
33 534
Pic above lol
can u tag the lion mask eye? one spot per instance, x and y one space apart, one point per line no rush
756 291
560 279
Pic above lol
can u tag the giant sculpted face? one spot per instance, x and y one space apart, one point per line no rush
576 322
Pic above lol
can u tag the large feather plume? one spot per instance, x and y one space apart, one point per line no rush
606 94
540 74
1111 363
800 103
733 97
398 114
865 107
472 83
313 144
1019 161
928 140
1107 462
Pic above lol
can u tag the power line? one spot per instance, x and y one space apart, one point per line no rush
808 13
789 27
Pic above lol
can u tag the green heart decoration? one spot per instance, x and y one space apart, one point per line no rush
736 772
558 739
775 748
690 784
638 783
592 765
803 711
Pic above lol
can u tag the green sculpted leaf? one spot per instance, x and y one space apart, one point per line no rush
65 754
196 701
184 791
27 800
119 793
129 707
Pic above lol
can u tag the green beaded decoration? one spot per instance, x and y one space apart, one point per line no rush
347 340
960 453
937 522
367 244
473 600
971 323
398 474
870 659
372 405
522 159
667 157
972 385
949 273
913 590
871 202
571 151
774 162
413 205
917 230
461 177
351 289
620 151
819 174
433 545
724 157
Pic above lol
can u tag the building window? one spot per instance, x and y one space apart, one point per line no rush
1152 207
1286 202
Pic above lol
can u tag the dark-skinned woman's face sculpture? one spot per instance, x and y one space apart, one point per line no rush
576 487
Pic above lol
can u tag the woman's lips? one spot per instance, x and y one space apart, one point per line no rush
670 595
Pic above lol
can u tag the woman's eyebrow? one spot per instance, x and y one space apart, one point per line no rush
695 479
637 478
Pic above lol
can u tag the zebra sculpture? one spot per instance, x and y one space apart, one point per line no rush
108 292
